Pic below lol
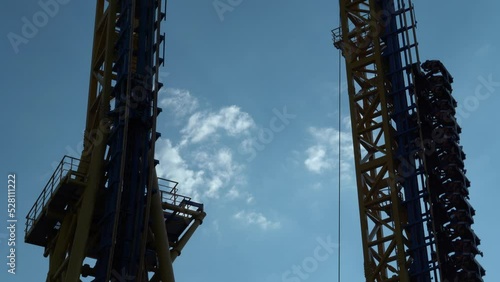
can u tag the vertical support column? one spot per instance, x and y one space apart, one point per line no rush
101 78
165 270
382 214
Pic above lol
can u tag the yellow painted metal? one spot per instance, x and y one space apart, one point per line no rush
69 250
76 236
381 212
165 252
168 206
96 168
176 250
58 252
165 270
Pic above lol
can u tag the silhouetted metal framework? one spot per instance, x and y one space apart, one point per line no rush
410 229
457 244
107 216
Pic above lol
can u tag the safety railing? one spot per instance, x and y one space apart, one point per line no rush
168 190
68 167
337 37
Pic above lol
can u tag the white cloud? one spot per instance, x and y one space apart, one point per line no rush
256 218
230 120
323 154
317 160
205 175
174 167
207 169
233 193
222 170
179 101
204 169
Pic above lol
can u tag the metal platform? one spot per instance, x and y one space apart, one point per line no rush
180 211
61 191
61 194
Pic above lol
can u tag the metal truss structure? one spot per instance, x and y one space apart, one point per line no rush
415 219
104 216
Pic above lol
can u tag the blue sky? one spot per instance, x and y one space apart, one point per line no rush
250 128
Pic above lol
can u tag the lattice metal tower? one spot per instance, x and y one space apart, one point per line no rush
412 189
104 216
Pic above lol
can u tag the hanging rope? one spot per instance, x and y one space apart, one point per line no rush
339 164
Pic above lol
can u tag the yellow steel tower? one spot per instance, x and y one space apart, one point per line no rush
107 216
412 189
